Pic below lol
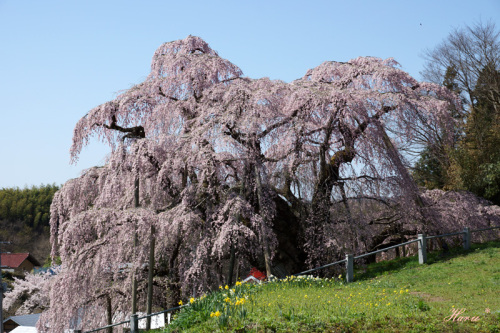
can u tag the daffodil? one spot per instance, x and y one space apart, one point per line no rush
215 314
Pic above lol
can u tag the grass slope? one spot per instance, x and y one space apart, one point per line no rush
456 293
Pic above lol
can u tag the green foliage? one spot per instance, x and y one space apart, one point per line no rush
31 206
478 157
410 298
433 168
428 171
24 219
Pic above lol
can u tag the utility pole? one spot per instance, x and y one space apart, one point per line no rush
1 288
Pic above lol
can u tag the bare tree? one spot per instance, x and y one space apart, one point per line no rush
468 51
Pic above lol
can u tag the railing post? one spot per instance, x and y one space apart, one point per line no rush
422 249
349 268
134 324
467 238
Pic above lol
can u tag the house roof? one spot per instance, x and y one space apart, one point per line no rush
25 320
14 260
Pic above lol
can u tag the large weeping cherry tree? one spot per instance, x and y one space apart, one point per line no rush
256 172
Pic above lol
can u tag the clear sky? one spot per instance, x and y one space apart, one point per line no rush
59 59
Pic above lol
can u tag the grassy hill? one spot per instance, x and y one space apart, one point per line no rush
459 292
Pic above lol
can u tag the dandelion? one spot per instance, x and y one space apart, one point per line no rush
305 296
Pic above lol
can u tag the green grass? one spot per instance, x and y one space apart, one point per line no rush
393 296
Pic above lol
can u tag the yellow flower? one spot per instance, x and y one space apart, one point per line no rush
220 287
238 283
191 300
227 300
226 287
215 314
180 302
305 296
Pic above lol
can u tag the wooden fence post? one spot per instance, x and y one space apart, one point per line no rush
422 249
467 238
349 267
134 323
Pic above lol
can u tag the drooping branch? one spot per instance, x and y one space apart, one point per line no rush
136 132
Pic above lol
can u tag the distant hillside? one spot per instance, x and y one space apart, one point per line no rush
24 219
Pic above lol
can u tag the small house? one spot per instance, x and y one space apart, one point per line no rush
18 262
21 324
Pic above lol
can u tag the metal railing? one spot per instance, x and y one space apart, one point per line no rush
349 260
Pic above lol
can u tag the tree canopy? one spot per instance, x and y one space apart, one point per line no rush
468 62
290 174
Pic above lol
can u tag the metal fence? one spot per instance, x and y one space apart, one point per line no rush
349 261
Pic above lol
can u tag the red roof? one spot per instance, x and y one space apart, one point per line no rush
14 260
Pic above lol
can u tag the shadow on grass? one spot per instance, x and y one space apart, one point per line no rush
370 271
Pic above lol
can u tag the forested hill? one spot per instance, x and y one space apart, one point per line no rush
24 219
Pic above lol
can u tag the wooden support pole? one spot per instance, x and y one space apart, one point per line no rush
134 277
150 276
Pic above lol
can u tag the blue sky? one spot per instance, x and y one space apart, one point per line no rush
59 59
